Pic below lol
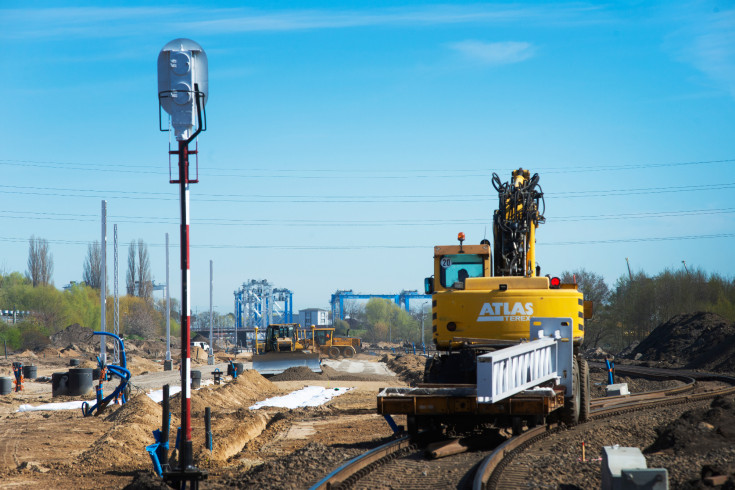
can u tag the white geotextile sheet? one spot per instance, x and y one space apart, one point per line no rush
156 396
310 396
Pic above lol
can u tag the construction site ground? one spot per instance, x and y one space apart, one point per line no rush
63 449
289 448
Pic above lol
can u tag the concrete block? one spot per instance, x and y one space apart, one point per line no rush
617 389
645 479
615 459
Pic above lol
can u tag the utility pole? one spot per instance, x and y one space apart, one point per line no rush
210 359
630 275
685 268
167 364
103 283
422 324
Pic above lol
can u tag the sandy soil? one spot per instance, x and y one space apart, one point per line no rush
63 449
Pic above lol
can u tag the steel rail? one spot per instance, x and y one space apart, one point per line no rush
354 469
489 471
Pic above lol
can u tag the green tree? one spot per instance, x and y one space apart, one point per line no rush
82 306
385 317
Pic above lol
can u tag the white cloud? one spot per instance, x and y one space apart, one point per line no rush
124 22
503 53
707 42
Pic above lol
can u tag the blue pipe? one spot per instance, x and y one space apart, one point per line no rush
610 370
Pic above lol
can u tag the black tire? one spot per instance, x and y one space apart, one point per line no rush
585 391
334 352
572 404
429 369
348 352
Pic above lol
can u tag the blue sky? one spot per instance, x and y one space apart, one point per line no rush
346 140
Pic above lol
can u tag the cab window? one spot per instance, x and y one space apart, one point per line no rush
322 336
458 267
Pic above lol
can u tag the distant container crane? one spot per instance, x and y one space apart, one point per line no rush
259 304
402 299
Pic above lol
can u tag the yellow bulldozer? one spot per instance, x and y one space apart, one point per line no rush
281 350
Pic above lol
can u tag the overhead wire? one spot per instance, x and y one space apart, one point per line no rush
389 246
320 173
371 198
9 214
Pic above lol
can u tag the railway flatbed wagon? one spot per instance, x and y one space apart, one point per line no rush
462 400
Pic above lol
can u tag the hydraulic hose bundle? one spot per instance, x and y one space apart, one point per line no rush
118 394
514 222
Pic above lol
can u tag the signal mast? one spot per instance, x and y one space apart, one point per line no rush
183 93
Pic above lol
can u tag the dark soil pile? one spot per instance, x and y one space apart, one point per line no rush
303 373
699 430
73 334
409 367
300 469
701 340
296 373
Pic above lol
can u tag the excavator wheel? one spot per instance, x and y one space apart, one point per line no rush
572 405
585 391
348 352
333 352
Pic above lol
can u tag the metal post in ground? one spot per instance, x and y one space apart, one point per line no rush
211 338
182 71
103 283
167 364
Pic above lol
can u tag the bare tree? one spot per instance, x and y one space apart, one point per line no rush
145 284
40 262
92 274
132 275
138 279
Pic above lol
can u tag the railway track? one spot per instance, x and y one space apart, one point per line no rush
401 463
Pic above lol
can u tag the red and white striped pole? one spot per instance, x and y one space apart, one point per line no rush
186 450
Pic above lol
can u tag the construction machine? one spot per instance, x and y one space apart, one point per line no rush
282 350
323 340
507 337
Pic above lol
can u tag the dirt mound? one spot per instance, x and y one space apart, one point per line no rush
230 433
408 367
697 341
27 353
73 334
199 354
248 388
140 409
297 373
700 430
123 446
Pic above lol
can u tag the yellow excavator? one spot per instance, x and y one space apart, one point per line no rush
281 350
495 321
